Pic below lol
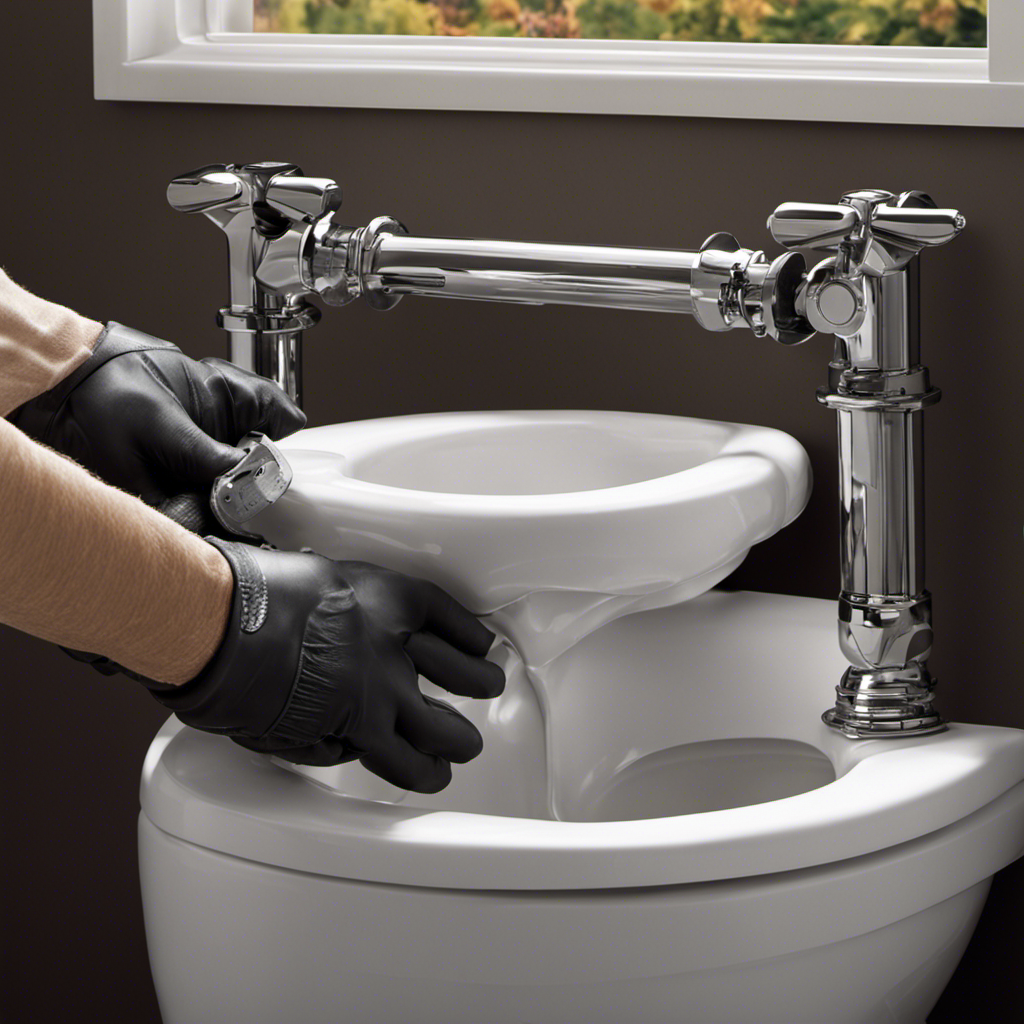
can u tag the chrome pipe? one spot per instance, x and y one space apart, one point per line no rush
270 342
880 386
532 272
721 284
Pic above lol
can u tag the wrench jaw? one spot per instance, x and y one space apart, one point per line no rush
251 486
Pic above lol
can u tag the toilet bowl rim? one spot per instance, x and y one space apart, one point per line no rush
722 474
266 809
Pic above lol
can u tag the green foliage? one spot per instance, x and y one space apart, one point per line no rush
620 19
879 22
373 17
865 22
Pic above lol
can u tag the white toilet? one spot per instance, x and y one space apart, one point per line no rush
660 828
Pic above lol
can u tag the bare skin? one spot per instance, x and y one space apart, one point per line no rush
83 564
41 342
89 567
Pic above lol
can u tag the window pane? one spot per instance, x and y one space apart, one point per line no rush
865 22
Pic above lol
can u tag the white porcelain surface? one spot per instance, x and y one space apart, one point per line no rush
234 940
271 895
655 702
553 523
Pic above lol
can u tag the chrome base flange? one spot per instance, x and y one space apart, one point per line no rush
885 703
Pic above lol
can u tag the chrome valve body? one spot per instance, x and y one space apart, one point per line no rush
270 213
867 296
285 245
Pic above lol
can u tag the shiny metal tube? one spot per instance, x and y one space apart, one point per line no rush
867 295
721 284
531 272
277 355
878 389
881 503
267 339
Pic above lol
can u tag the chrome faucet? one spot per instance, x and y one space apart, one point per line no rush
284 245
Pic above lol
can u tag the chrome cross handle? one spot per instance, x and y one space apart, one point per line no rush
205 189
300 199
274 217
873 234
280 186
268 211
873 231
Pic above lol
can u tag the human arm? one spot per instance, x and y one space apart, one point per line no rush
132 408
285 652
41 343
90 567
312 659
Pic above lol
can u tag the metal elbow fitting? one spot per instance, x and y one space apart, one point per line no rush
736 287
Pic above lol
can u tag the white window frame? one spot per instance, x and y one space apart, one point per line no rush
201 51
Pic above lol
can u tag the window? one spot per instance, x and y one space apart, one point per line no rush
899 61
849 22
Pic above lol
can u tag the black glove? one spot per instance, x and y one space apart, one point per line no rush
319 665
146 418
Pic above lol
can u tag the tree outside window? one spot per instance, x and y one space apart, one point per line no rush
863 22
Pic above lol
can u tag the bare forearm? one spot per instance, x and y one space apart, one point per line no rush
92 568
40 344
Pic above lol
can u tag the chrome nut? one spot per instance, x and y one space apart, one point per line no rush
884 633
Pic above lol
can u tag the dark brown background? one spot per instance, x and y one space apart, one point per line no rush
85 222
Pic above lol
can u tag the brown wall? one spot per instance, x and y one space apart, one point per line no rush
85 222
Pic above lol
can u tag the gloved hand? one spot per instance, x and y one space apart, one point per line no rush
145 417
319 666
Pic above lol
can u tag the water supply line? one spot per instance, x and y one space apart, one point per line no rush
285 244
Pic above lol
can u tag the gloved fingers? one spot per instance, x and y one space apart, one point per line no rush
192 511
452 621
272 412
329 751
189 457
397 761
437 728
452 669
136 472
